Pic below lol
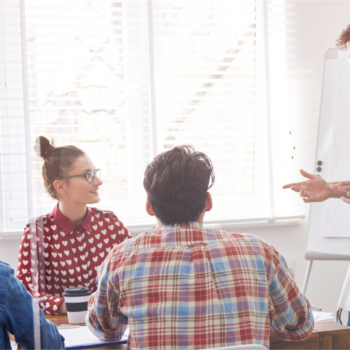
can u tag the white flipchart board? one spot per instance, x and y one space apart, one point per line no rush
329 225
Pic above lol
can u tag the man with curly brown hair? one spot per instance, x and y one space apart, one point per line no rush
186 286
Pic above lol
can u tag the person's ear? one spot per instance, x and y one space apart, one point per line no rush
149 208
60 186
208 202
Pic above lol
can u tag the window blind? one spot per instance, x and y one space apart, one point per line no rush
279 48
14 174
209 80
126 80
88 86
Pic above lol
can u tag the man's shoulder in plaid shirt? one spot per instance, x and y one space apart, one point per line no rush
183 286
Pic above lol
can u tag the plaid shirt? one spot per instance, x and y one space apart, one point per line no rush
186 287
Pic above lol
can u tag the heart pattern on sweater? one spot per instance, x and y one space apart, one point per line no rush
55 245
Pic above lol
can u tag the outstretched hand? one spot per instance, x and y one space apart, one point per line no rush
315 189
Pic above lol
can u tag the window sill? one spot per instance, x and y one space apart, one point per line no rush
226 225
259 222
11 235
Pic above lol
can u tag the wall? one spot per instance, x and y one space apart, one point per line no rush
316 26
9 251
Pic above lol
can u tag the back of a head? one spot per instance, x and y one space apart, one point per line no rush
177 182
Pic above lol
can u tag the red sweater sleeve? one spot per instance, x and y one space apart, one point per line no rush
30 259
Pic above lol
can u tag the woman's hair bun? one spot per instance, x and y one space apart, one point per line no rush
43 147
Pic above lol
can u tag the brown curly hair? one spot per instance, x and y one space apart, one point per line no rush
177 182
344 37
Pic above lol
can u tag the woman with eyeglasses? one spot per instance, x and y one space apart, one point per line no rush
65 247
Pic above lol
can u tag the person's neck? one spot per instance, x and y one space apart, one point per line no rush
199 220
74 212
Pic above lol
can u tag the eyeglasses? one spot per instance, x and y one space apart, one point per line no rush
89 176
